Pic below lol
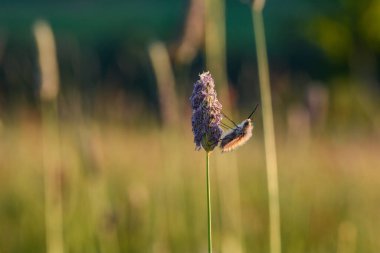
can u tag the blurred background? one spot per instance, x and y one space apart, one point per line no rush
96 148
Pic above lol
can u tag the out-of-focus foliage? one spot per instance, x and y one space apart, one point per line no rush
142 190
102 44
130 184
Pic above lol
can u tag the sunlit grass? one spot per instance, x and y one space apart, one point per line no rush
327 183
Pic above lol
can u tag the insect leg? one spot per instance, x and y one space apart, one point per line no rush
225 125
229 119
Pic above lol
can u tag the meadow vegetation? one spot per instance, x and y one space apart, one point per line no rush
105 161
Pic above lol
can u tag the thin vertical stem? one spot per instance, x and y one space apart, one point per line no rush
47 58
208 202
52 180
227 179
269 137
163 70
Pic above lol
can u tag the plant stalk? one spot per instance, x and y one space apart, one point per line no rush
269 136
208 203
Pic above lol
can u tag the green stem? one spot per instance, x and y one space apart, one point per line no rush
208 203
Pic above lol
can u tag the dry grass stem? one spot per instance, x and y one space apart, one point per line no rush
47 60
165 82
51 141
269 135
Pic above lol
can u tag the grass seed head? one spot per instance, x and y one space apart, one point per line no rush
206 115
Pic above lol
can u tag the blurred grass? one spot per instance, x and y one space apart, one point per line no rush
138 187
153 205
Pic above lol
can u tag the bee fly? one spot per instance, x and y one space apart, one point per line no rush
238 135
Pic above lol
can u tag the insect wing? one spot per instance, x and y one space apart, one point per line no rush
228 138
232 144
237 137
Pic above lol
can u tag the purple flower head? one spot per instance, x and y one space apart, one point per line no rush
207 115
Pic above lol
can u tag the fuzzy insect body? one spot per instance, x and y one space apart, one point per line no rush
237 136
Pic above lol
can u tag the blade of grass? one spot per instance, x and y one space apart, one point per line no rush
163 71
51 140
269 136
